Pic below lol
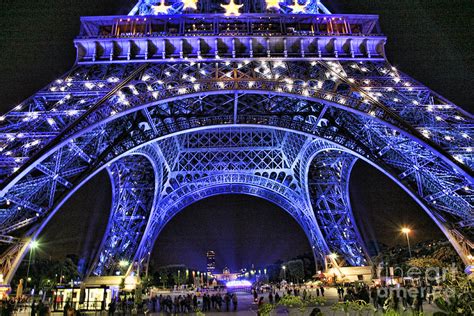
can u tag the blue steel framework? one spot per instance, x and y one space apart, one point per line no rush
268 103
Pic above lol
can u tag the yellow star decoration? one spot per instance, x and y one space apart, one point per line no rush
298 8
190 4
232 8
272 4
161 8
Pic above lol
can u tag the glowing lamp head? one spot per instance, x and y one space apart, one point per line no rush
284 267
123 263
34 244
333 255
406 230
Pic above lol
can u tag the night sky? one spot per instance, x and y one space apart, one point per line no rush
430 40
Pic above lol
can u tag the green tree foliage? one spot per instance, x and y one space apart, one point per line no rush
42 270
291 301
425 262
296 270
458 299
167 276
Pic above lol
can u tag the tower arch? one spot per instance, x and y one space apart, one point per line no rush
125 95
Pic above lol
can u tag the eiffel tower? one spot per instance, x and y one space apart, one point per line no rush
183 100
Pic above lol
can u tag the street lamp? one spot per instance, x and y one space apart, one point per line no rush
284 272
407 231
33 245
179 272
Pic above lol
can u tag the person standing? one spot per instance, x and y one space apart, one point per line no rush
153 304
277 298
322 290
429 292
227 302
208 303
234 301
33 308
41 308
418 302
66 308
219 302
270 298
373 296
112 308
213 301
195 302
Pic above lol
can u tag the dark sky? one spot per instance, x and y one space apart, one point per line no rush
430 40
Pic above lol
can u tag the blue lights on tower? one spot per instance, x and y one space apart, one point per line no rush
179 104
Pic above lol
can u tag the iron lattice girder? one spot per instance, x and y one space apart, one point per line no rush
328 185
185 193
319 98
182 187
133 186
103 136
426 174
425 115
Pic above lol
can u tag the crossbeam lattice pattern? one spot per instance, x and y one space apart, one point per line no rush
51 142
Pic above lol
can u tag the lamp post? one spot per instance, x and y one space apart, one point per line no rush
284 272
407 231
179 273
33 245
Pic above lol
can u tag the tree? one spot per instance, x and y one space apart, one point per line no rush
296 269
42 269
447 255
458 299
425 262
274 271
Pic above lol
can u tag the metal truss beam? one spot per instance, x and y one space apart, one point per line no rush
133 181
328 185
77 125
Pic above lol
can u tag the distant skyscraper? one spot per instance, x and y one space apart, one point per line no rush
211 261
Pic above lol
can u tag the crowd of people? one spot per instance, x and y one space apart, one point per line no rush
382 297
9 307
188 303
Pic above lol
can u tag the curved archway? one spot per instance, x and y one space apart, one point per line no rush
240 229
134 180
240 185
381 152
